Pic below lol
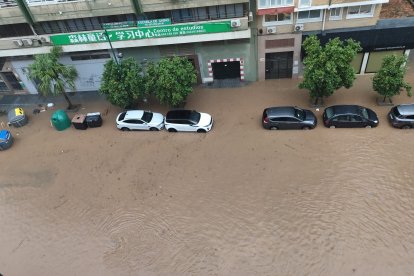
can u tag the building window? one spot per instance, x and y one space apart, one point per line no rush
207 13
277 19
335 14
90 55
305 3
14 30
360 11
274 3
310 16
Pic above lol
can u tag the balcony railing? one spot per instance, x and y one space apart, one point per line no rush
7 3
47 2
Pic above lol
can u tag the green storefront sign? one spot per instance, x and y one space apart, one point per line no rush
154 22
142 33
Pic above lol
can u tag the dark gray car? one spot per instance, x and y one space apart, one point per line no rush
288 117
349 116
402 116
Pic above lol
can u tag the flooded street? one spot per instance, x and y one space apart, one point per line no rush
239 200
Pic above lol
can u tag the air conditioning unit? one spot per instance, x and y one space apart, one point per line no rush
298 27
271 30
18 43
235 23
250 17
45 39
27 42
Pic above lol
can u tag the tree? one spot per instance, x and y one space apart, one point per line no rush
171 80
328 68
52 76
389 80
123 84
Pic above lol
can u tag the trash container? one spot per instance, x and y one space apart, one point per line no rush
94 119
17 117
60 120
6 139
79 121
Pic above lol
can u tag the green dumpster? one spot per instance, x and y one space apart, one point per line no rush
60 120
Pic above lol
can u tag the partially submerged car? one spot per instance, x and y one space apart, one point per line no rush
288 117
188 120
349 116
139 120
402 116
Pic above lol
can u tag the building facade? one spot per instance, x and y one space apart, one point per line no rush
283 24
224 39
214 35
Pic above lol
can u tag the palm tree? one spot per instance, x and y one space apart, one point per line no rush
52 76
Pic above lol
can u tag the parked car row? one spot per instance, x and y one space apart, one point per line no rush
341 116
282 117
175 120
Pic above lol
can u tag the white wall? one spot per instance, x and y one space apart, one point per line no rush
89 73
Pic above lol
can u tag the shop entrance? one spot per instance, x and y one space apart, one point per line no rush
279 65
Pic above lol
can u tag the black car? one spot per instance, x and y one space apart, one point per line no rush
402 116
349 116
288 117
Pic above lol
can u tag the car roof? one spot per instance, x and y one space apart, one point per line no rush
406 109
134 114
281 111
179 114
345 109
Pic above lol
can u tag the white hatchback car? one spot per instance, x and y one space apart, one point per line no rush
188 120
139 120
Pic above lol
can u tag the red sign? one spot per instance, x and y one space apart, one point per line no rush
275 10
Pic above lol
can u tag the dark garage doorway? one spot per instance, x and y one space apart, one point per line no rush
226 70
279 65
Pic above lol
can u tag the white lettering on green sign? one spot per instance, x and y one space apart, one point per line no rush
154 22
141 33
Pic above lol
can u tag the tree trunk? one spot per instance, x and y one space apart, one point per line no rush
70 105
384 99
316 101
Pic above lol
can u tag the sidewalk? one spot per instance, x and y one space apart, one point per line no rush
34 100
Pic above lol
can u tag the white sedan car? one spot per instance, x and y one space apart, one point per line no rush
139 120
188 120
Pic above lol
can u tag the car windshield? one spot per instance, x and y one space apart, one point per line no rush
195 117
122 116
300 114
396 112
329 113
364 113
147 116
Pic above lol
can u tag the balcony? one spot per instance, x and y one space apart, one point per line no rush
7 3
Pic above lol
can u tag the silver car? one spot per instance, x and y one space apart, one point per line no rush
402 116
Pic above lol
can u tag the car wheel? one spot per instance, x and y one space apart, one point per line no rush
154 129
125 129
406 127
172 130
332 126
306 127
201 130
368 126
273 128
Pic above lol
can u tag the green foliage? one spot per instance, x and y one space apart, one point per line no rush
171 80
51 75
389 80
328 68
123 84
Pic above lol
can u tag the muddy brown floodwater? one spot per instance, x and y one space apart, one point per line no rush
239 200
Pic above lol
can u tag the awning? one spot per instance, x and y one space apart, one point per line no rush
275 10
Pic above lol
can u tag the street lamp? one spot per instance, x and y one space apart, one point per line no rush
112 48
